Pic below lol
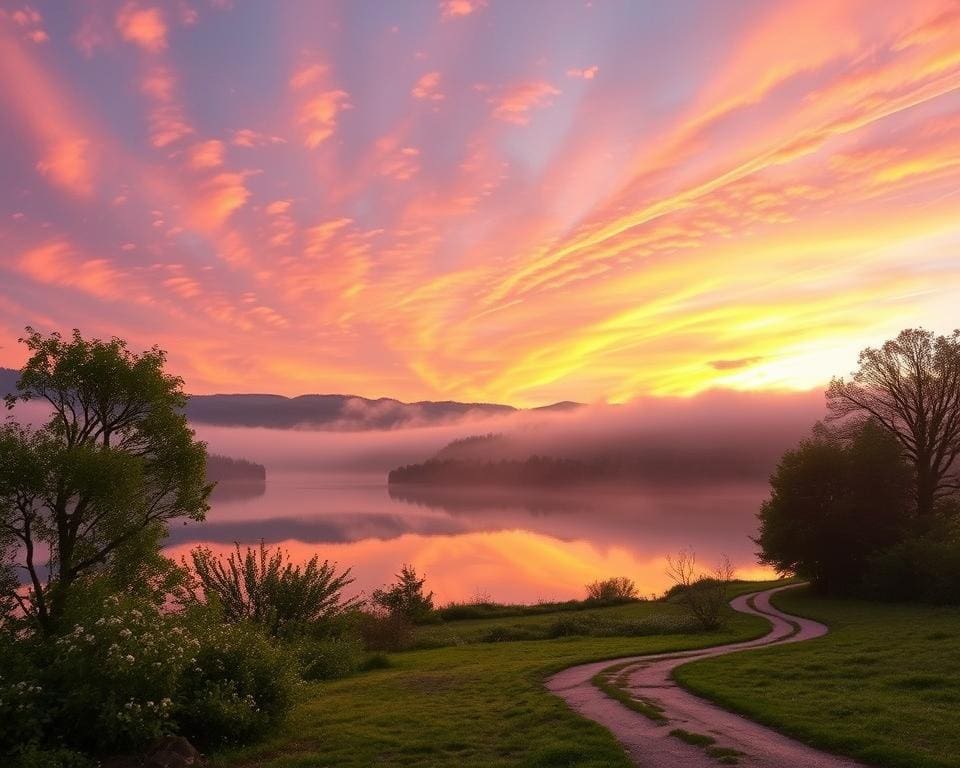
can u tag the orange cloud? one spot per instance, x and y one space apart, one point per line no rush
58 263
427 88
218 198
145 27
319 115
514 103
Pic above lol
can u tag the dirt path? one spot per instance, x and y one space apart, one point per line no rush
649 743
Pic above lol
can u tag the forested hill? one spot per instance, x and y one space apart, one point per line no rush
330 412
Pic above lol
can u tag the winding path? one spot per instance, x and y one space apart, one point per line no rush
649 743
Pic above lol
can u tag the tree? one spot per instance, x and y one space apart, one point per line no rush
910 386
92 490
263 586
405 597
835 501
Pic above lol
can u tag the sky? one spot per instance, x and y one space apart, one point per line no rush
482 199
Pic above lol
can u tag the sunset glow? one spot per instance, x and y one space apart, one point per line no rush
514 202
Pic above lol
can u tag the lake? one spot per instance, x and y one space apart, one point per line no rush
497 544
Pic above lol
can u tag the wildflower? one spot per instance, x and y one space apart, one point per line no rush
129 658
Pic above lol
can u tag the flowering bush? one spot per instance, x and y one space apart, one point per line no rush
238 685
117 673
22 711
124 672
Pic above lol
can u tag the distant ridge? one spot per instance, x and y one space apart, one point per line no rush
325 412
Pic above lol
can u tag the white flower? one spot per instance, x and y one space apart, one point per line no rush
125 632
129 658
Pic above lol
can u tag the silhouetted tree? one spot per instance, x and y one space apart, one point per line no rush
911 387
405 597
617 588
835 501
93 489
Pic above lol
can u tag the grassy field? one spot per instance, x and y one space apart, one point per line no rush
474 703
883 686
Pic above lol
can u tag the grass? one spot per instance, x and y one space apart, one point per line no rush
882 687
609 681
471 704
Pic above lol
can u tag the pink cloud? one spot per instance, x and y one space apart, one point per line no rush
168 125
451 9
206 154
277 207
427 88
247 137
311 73
145 27
514 103
400 163
588 73
67 163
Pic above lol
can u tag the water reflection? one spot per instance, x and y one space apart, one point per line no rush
514 546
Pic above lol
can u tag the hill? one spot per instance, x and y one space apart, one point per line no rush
325 412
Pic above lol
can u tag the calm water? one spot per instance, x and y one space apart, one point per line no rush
509 546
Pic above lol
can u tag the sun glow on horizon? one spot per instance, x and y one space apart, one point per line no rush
357 197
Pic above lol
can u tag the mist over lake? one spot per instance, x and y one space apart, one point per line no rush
326 493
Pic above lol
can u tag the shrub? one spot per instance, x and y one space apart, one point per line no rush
23 708
568 626
926 569
617 589
406 598
705 596
237 686
375 661
330 658
384 631
263 586
33 756
113 676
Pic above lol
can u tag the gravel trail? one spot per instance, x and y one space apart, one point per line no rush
649 743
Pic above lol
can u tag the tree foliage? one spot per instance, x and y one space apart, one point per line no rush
92 489
405 597
835 501
264 586
910 386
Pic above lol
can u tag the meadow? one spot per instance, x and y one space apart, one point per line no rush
883 686
478 701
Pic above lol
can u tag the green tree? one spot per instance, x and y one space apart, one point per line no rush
910 386
405 598
91 491
835 501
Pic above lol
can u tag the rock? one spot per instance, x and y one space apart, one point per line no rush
172 752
